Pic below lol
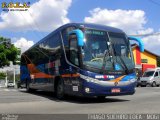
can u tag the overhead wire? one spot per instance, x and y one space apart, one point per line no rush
34 21
30 25
144 35
155 2
38 35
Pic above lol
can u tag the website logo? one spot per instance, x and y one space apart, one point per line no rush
17 6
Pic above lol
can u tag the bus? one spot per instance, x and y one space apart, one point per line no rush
81 59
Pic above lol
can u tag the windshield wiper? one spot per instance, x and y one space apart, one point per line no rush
125 66
107 53
122 61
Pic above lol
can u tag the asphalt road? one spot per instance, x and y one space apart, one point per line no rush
145 100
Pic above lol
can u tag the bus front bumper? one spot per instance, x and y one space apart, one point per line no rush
93 89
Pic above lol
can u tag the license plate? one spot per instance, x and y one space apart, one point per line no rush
115 90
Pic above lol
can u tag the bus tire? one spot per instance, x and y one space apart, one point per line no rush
28 89
60 89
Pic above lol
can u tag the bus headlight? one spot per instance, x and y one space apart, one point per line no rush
89 79
87 90
132 80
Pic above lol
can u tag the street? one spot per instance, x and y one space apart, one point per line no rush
146 100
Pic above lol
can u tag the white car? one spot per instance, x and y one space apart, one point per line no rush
10 84
151 77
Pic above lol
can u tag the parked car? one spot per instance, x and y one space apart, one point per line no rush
151 77
10 84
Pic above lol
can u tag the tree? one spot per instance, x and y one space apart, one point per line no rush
158 61
8 52
2 75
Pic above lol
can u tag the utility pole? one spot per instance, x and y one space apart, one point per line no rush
14 74
6 83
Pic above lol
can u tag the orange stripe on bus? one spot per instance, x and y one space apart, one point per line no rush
70 75
117 79
42 75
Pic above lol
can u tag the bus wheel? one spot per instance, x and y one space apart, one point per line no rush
28 89
60 90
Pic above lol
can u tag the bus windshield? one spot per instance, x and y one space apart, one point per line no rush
103 50
122 54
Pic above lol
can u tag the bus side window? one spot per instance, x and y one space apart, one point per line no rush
23 60
51 47
65 33
66 40
73 51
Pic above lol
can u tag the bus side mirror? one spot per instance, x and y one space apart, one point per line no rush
79 35
140 42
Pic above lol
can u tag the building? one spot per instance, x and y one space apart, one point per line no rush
144 60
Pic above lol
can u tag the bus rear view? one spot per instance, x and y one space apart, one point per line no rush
94 60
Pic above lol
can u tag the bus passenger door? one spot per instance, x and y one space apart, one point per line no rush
72 81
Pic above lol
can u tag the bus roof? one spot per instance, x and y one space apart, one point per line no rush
94 26
87 25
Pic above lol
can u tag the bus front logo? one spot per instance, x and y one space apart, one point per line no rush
116 83
104 76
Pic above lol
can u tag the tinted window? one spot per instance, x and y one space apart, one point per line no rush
122 52
148 74
51 47
51 42
95 48
66 40
73 51
156 74
47 50
65 34
23 60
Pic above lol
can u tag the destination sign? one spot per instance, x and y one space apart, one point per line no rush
94 32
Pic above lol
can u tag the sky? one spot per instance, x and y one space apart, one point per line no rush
25 28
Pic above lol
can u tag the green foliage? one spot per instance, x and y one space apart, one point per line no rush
158 61
17 77
8 53
2 75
